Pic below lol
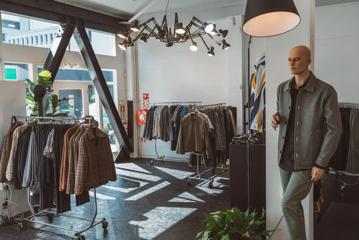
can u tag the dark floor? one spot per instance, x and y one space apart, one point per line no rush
146 202
340 212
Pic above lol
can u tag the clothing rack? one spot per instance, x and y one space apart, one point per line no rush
50 214
198 175
177 103
348 105
215 105
337 173
344 184
162 157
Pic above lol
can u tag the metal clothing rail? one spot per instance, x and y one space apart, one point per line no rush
162 157
344 184
198 175
166 103
50 214
77 232
349 105
212 105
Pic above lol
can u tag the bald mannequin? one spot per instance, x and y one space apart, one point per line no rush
309 132
299 59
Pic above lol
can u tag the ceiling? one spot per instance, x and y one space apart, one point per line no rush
130 8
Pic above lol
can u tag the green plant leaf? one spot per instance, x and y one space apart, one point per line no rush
225 237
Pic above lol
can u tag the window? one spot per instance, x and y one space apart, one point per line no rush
64 74
17 28
101 39
75 86
16 71
10 25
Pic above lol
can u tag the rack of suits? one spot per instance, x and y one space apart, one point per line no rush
57 157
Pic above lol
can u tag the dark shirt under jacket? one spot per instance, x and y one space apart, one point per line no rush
287 160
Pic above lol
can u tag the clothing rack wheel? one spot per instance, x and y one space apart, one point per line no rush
80 237
21 226
104 224
210 184
50 217
189 183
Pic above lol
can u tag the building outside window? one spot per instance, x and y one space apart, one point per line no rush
16 27
76 90
16 71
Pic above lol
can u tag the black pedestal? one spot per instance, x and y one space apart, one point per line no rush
248 176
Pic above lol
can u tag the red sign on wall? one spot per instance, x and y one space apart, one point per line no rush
146 101
146 96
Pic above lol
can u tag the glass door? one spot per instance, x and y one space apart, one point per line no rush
72 98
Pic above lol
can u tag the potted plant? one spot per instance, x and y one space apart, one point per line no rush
232 224
52 105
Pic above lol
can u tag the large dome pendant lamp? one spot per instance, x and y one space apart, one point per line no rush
266 18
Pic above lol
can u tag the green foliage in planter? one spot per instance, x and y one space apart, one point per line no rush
44 79
232 225
30 98
51 106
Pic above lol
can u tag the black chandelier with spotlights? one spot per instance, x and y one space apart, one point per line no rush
196 29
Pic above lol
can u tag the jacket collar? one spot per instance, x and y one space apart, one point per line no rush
94 133
309 85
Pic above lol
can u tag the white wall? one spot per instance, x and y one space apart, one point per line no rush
277 71
12 103
337 48
178 74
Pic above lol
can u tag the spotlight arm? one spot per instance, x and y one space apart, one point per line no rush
204 42
218 43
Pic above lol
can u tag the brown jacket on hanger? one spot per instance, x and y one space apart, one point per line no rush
15 138
95 165
65 158
6 149
194 135
70 184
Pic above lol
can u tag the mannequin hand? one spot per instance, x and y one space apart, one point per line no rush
275 121
317 174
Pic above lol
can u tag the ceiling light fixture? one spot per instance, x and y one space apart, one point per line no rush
270 17
122 35
193 47
225 45
173 35
134 26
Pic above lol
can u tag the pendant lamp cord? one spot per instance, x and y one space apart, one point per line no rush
168 1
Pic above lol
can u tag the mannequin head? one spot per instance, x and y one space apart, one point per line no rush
299 59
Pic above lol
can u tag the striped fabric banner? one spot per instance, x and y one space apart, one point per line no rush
257 107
